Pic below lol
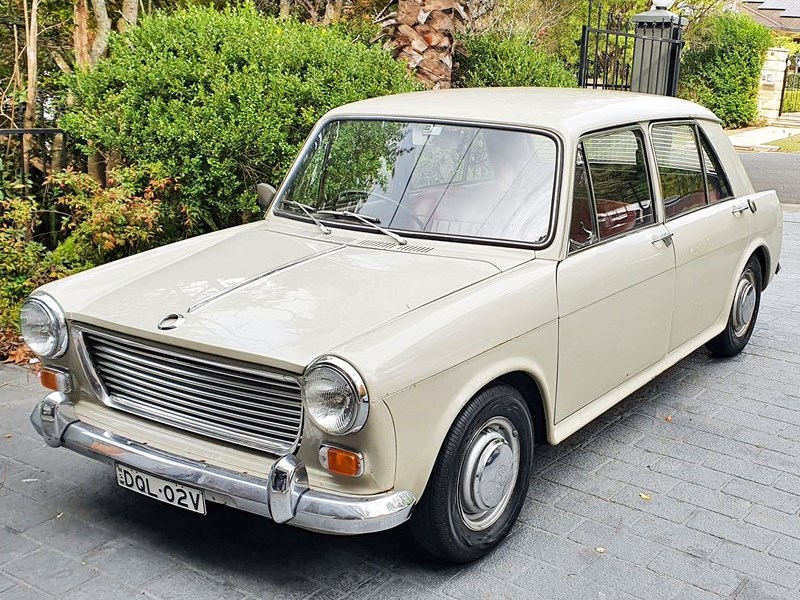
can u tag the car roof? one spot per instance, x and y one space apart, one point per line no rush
568 111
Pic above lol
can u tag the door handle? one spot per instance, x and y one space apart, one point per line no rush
665 237
740 208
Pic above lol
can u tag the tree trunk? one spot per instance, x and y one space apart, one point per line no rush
130 12
333 11
31 52
422 34
285 10
80 13
102 31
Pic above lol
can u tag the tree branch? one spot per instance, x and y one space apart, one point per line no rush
102 31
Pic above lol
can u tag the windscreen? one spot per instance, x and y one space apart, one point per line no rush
434 178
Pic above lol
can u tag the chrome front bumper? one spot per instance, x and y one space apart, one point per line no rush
284 497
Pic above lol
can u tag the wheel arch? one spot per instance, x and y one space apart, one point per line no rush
762 254
526 384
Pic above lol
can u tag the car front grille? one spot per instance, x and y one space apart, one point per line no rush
243 404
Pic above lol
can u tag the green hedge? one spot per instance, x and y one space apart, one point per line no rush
222 100
722 69
495 60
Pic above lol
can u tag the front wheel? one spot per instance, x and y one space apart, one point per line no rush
480 479
744 311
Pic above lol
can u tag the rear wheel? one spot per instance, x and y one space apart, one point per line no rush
480 479
742 319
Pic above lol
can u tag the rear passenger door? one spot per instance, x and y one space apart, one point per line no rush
708 235
615 286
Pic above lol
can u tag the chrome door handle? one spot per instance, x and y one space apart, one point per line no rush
665 237
750 204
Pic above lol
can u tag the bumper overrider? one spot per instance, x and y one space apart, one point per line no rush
285 496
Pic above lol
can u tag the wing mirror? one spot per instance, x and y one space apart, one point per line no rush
266 193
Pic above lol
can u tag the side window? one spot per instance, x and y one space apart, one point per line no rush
583 229
679 168
717 184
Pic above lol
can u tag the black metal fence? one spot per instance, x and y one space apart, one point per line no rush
618 54
790 97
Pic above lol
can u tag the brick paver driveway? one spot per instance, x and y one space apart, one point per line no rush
689 489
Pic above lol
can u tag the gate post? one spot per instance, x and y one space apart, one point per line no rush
657 51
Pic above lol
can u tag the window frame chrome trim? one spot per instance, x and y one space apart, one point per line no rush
558 172
651 184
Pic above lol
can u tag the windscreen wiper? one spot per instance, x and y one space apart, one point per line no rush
305 208
368 220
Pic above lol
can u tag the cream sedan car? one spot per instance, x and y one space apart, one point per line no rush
443 280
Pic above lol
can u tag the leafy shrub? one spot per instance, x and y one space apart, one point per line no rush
222 99
95 225
495 60
722 69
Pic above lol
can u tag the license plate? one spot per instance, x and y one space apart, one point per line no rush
170 492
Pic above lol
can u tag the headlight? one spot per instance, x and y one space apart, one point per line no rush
44 326
335 396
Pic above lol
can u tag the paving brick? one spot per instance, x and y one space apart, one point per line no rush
758 565
690 472
133 564
673 449
552 549
763 495
712 500
732 530
675 536
544 582
760 590
628 547
786 548
49 571
577 479
103 587
607 513
584 459
660 505
774 520
637 477
549 518
6 583
183 584
25 592
696 572
628 578
741 468
19 513
789 483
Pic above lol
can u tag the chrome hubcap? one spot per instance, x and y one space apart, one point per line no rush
489 473
744 304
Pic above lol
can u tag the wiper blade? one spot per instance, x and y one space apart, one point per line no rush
304 207
371 221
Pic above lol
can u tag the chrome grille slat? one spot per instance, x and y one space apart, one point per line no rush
110 374
179 368
101 359
208 364
211 396
164 401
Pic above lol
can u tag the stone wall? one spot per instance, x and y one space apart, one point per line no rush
769 91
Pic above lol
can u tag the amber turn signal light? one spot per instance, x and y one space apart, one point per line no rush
341 461
55 379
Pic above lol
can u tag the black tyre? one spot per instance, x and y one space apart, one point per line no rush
480 479
742 318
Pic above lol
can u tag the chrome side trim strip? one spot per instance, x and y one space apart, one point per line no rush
285 496
232 288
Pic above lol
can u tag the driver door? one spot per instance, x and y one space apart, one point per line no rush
616 285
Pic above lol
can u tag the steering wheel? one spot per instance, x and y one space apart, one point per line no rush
378 197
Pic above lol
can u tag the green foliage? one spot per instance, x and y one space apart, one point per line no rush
496 60
94 225
722 69
791 101
222 100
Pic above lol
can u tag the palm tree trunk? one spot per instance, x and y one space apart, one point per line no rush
422 34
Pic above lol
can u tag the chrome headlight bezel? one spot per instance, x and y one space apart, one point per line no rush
58 321
359 397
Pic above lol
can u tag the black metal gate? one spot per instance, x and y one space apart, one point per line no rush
640 55
790 97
